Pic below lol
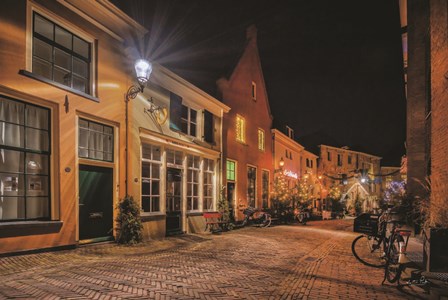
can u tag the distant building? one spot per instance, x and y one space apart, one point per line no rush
355 174
391 174
247 131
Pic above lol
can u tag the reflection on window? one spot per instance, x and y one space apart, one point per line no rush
96 141
24 161
193 182
151 163
209 171
60 56
240 129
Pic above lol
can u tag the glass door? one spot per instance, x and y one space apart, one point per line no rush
173 201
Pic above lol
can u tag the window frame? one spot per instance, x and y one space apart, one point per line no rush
234 170
89 87
261 140
249 200
340 160
210 184
254 91
191 197
189 121
151 162
26 151
263 186
112 135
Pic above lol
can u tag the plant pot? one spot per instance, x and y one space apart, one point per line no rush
435 255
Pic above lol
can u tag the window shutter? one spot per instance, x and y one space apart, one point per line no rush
208 127
175 112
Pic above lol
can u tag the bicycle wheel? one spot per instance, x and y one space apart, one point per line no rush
266 221
369 251
393 269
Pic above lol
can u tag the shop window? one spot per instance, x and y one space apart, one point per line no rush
24 161
209 172
60 56
265 188
261 140
192 182
231 168
151 165
188 121
251 185
240 129
96 141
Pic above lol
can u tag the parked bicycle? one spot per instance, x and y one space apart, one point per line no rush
257 217
375 248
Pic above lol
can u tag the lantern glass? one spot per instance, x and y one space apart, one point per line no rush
143 69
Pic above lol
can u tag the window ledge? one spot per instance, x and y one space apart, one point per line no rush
58 85
152 217
194 213
23 228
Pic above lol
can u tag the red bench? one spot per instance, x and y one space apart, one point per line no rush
213 221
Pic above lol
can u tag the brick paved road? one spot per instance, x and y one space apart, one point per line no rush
282 262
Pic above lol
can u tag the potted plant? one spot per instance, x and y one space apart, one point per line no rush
129 225
433 213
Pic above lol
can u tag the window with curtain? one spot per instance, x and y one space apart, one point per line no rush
251 185
24 161
96 141
209 171
193 182
60 56
151 164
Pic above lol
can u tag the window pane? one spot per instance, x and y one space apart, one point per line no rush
62 76
12 184
145 169
63 37
12 208
155 204
36 117
83 123
184 113
155 188
146 188
80 84
43 27
62 59
36 164
37 207
83 152
146 204
184 126
42 50
36 139
193 129
193 115
170 156
37 185
80 47
80 67
178 157
11 135
11 161
12 111
42 68
156 153
155 171
107 143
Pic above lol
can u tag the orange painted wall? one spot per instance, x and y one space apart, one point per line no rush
111 80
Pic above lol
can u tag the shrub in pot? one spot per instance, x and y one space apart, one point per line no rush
129 225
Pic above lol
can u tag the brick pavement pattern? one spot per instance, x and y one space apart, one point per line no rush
282 262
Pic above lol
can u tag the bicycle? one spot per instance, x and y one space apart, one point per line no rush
256 216
395 255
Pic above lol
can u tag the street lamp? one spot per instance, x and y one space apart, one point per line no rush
143 70
281 163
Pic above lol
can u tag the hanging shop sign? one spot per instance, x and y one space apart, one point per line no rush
291 174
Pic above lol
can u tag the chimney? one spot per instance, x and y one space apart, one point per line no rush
251 33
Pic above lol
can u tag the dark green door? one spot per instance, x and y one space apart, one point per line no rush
95 202
173 201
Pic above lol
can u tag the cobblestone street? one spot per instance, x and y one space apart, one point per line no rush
281 262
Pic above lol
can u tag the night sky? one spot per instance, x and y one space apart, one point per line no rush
333 69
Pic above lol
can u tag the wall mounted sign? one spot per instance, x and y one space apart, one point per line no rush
291 174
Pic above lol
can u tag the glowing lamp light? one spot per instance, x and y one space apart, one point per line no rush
143 69
363 180
281 163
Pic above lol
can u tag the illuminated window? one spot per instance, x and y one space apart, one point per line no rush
261 140
209 171
230 170
240 129
254 91
188 121
251 185
193 182
95 141
60 56
151 165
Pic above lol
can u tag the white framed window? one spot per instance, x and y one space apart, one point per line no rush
188 120
25 161
174 159
60 55
254 91
193 182
209 172
261 140
150 182
240 129
96 141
